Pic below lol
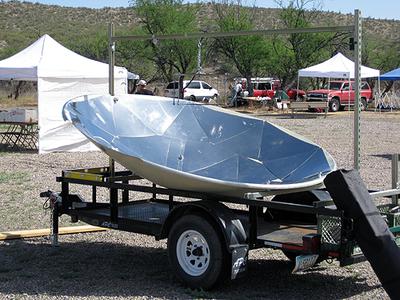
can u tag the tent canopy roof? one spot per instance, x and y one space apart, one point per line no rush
391 75
48 58
338 66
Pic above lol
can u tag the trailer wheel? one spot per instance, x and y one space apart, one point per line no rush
196 252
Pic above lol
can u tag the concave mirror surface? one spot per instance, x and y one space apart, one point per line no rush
185 145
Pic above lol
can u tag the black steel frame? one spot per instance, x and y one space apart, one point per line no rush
121 181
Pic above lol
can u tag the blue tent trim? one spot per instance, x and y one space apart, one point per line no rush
391 75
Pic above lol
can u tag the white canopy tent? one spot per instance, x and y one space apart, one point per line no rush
61 75
338 66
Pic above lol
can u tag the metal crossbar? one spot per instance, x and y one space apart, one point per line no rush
196 35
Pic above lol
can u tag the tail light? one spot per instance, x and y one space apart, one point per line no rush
311 243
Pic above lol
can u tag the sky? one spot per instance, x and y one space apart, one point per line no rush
383 9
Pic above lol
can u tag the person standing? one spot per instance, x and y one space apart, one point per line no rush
237 89
141 88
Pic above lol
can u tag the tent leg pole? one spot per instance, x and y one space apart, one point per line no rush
395 177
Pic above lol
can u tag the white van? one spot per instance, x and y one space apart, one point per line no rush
194 90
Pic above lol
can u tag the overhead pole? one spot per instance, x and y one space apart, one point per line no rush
197 35
357 82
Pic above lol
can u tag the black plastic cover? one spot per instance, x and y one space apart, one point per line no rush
370 230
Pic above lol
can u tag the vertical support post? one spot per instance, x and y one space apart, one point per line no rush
395 177
154 193
111 63
114 205
199 45
180 86
253 225
225 89
94 194
125 193
54 224
357 82
377 99
65 195
170 202
111 59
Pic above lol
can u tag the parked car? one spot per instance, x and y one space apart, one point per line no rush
339 94
194 90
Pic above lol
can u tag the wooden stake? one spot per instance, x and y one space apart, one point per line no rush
20 234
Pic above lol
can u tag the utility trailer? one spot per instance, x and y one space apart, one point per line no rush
209 236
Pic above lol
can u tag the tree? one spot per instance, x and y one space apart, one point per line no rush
381 54
93 45
297 51
247 53
161 17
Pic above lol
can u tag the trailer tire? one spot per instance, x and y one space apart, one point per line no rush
196 252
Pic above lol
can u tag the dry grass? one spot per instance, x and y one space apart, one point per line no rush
27 100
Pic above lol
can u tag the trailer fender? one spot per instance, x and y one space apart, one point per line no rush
233 229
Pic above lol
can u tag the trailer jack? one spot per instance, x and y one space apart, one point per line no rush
54 200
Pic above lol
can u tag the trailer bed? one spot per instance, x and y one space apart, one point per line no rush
139 211
285 233
144 216
152 214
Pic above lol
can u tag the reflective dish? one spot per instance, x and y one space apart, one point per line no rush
185 145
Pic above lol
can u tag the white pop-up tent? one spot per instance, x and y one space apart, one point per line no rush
61 75
338 66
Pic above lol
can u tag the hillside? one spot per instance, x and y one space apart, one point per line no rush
24 22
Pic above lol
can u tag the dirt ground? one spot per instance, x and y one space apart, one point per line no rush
116 265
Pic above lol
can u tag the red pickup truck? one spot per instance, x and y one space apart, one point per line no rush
338 94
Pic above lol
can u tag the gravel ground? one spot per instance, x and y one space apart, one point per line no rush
114 265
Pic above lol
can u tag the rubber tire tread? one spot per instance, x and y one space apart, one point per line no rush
216 270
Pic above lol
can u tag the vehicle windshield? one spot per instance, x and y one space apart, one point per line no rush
333 86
